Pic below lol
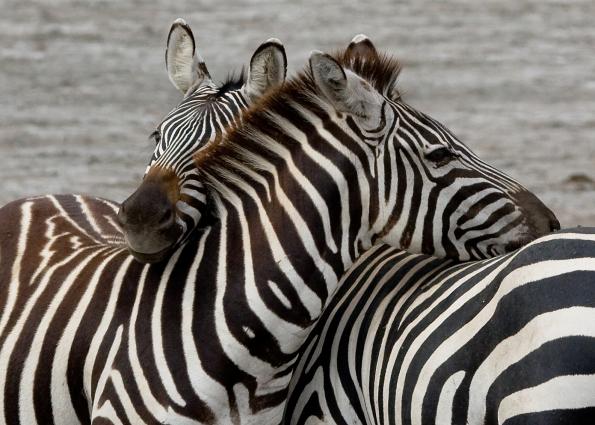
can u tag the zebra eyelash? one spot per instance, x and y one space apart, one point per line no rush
441 155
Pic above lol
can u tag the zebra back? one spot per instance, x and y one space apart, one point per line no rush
410 339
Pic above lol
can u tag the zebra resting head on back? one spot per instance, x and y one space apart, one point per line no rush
415 184
413 339
167 206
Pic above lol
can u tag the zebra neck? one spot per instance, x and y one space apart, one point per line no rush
306 170
284 254
262 278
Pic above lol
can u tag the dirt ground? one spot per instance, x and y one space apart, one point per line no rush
82 84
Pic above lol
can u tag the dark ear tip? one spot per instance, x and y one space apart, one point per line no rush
317 54
179 23
276 44
271 42
364 43
274 41
361 38
322 64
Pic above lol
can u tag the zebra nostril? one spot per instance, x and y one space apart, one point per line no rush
121 216
554 225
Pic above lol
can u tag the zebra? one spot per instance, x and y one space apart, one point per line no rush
188 128
128 341
40 235
413 339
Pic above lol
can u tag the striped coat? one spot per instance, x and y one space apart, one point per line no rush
411 339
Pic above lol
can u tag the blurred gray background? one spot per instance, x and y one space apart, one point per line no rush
82 84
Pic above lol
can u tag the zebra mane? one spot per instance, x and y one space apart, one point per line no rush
231 156
379 69
233 81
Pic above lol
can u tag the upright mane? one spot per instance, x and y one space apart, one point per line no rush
231 151
234 81
380 70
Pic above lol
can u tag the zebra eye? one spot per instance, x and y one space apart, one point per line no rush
156 136
440 156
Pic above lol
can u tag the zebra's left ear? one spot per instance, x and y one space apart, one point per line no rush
185 67
268 68
346 91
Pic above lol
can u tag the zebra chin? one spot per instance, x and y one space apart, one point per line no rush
152 258
484 246
153 247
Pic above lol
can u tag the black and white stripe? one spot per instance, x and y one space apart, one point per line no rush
205 112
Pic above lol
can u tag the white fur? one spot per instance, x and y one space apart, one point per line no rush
359 38
267 69
185 67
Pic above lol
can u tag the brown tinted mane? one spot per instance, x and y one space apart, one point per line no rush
380 70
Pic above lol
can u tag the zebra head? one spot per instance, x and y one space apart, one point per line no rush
166 207
434 194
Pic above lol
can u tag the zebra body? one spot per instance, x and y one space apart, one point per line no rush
107 364
411 339
250 251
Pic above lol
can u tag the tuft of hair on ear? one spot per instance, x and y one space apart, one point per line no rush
380 70
233 81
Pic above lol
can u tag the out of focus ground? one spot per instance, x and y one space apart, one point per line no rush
82 84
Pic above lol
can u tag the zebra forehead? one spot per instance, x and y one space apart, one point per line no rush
204 99
234 81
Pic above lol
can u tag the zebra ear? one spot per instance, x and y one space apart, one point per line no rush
346 91
185 67
361 47
268 68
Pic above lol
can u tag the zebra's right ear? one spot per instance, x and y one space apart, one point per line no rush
185 68
361 47
268 68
